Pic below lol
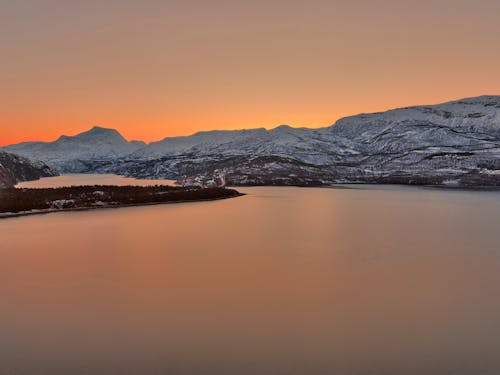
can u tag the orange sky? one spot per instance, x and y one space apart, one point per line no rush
154 68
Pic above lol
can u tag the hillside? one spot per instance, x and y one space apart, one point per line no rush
14 169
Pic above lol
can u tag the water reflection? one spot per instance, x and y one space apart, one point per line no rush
90 179
281 281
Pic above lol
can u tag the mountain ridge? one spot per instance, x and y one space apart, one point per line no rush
445 143
96 143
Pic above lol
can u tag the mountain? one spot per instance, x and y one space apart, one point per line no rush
65 153
309 145
14 169
455 143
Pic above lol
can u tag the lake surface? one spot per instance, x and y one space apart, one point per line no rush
90 179
372 281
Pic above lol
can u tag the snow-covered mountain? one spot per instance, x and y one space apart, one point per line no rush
451 143
14 169
66 153
309 145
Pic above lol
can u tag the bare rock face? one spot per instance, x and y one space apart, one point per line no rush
14 169
455 143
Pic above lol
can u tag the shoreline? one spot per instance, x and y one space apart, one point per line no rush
356 185
339 184
6 215
10 215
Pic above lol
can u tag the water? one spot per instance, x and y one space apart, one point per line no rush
370 280
90 179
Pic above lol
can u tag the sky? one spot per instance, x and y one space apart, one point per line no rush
153 69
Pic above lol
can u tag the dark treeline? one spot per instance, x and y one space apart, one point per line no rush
75 197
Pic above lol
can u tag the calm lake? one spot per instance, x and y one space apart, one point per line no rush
356 280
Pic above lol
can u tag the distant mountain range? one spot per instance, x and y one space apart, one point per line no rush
456 143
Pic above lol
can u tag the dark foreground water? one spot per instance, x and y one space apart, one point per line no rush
388 280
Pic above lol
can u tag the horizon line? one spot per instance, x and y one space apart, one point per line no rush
249 129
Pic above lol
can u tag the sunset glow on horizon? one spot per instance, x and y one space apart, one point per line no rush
155 69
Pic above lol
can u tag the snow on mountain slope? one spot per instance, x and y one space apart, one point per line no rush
454 141
466 122
421 144
66 152
416 133
479 115
199 142
308 145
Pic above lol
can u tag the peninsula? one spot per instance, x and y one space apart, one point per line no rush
21 201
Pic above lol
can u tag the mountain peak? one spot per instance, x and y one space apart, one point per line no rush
96 132
100 130
100 134
282 127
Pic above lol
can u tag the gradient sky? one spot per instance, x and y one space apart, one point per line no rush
153 69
